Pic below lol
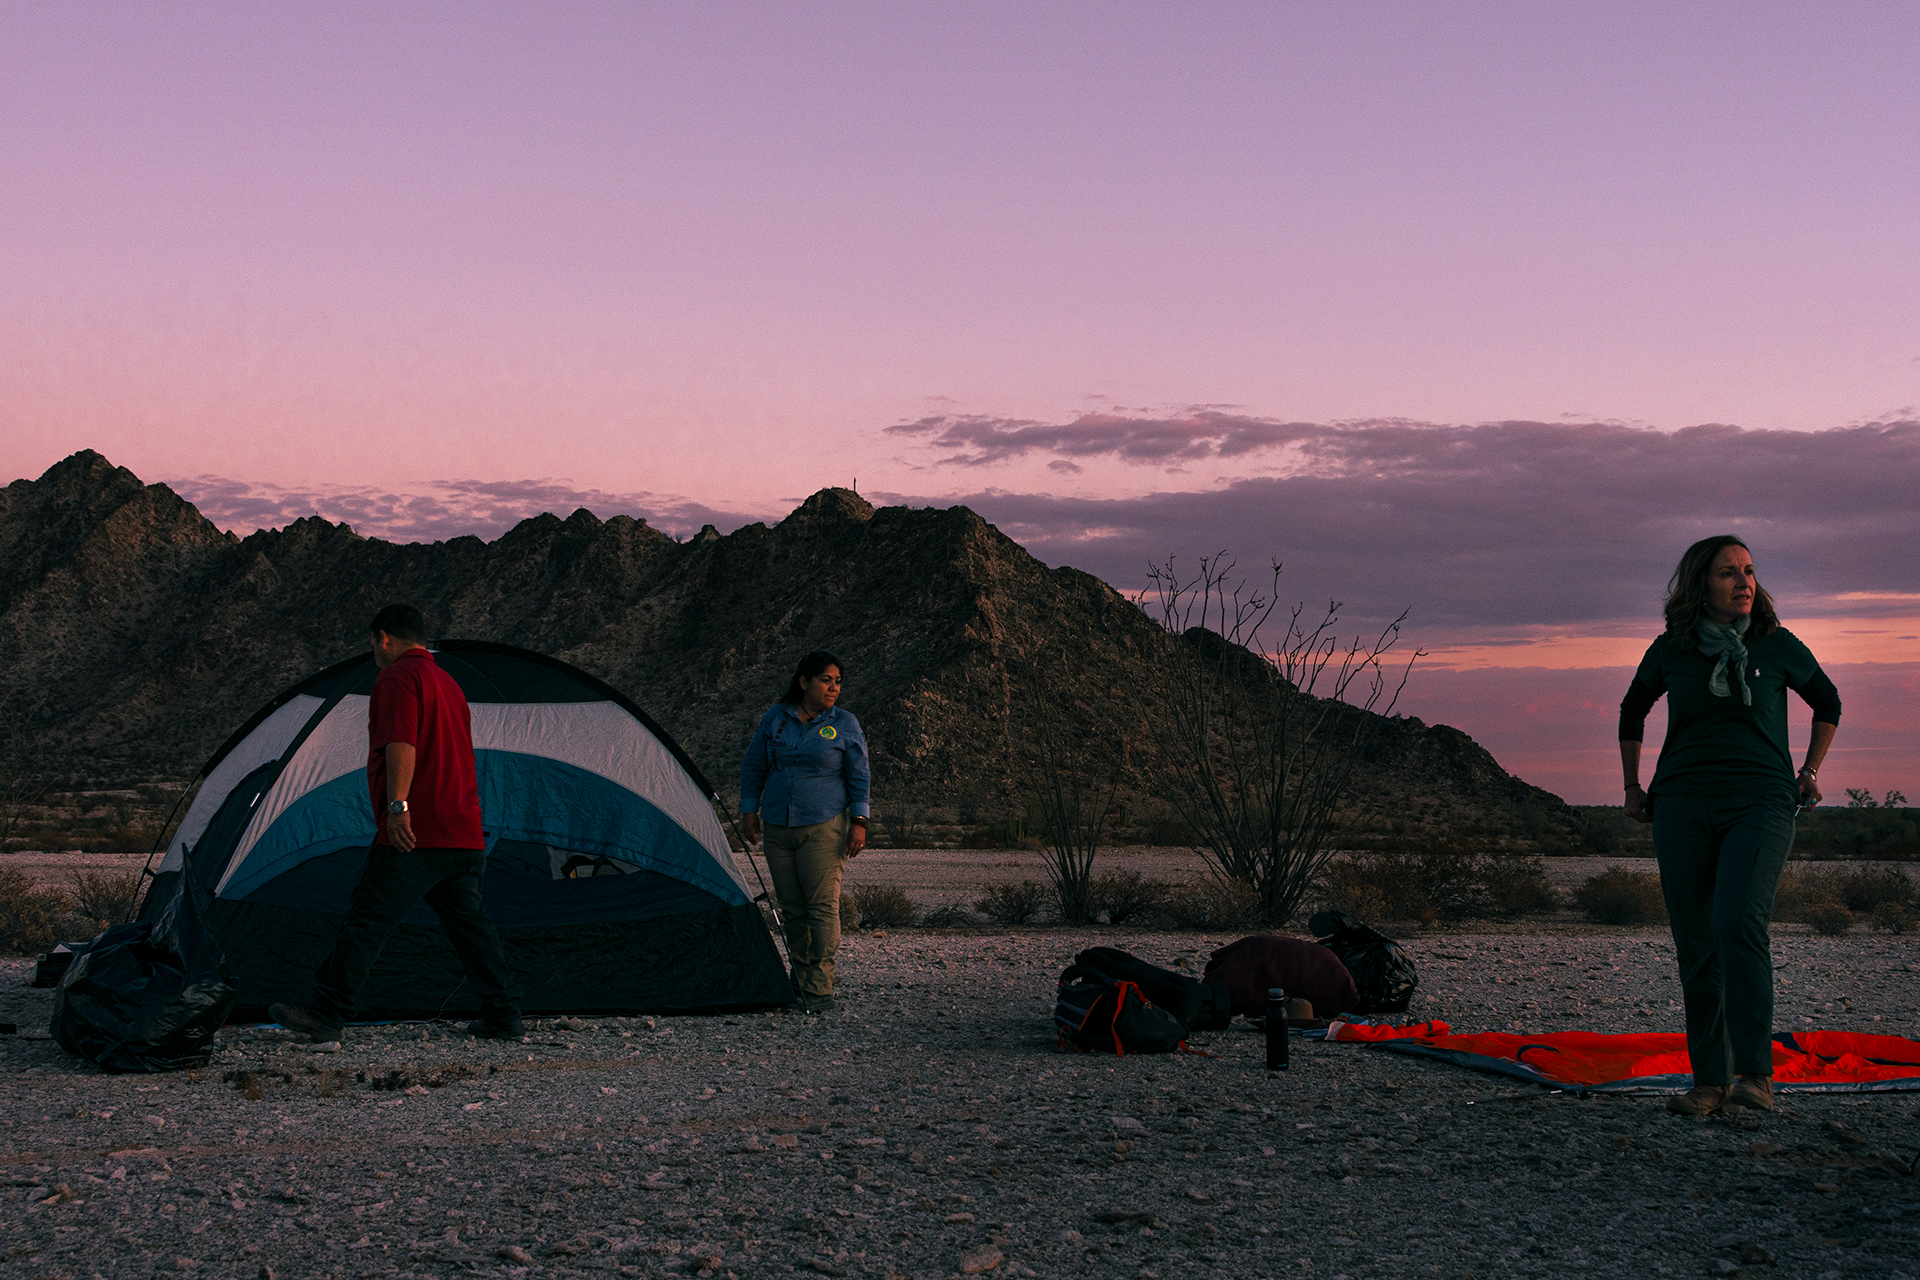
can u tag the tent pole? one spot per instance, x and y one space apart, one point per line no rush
146 868
766 894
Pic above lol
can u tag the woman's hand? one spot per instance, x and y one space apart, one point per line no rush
750 824
856 838
1809 790
1637 804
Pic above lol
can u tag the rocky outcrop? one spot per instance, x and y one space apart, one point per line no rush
135 636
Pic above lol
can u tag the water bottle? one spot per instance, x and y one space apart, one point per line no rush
1276 1029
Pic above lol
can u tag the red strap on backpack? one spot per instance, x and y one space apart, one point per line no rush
1113 1024
1113 1028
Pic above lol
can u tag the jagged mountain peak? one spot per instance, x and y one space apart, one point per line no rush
827 507
87 467
953 636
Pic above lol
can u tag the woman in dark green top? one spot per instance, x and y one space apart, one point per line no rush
1722 804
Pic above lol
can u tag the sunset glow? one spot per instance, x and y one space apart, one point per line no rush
1479 313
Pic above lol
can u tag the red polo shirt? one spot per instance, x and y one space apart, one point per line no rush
415 702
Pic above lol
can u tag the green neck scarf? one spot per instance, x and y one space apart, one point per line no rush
1723 640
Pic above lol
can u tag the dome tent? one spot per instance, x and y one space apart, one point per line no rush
608 874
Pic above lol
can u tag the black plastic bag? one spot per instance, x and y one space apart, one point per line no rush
1381 967
146 996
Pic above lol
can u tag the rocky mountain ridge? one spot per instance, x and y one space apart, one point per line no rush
135 636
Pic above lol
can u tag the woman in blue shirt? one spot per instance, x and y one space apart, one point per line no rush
805 776
1722 804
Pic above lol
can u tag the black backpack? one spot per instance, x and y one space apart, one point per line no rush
1381 967
1199 1006
1096 1012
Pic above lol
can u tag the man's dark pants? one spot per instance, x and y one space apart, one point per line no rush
1720 862
393 881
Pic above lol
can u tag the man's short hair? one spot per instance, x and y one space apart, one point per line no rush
402 622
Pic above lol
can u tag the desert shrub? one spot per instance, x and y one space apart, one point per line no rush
1891 834
1895 917
1168 829
108 896
1620 896
1600 830
1864 888
1355 896
907 828
1443 883
882 906
947 917
1800 887
125 837
849 912
1828 916
1364 885
1001 833
1126 895
32 917
1406 884
1013 903
1515 885
1212 904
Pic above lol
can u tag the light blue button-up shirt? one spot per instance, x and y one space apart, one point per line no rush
798 772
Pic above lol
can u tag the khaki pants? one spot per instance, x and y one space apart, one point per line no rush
805 863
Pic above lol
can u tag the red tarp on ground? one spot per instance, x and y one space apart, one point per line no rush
1656 1062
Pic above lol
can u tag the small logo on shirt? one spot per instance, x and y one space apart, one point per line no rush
828 732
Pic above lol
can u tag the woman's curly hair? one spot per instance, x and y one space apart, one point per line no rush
1687 594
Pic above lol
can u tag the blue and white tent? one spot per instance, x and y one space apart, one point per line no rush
608 873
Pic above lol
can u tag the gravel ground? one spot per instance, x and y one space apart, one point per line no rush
930 1127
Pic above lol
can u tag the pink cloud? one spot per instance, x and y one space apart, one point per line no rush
1509 524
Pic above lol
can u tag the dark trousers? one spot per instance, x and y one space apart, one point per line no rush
449 879
1720 862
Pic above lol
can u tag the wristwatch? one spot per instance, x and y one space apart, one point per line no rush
396 807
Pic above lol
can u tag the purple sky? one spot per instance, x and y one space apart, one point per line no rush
1440 305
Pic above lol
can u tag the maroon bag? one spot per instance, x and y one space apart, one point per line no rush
1249 967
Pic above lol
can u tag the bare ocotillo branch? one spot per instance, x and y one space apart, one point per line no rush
1264 741
1074 785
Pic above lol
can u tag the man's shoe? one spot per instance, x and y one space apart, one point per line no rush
816 1004
1701 1100
1755 1092
509 1027
296 1018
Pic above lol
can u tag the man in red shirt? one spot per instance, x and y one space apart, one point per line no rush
427 842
